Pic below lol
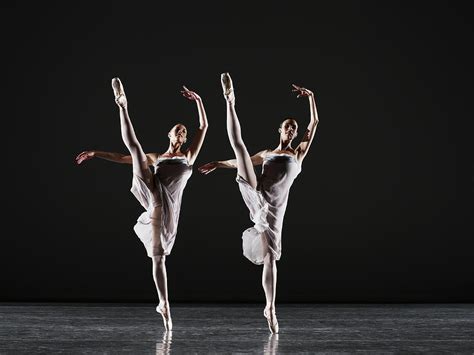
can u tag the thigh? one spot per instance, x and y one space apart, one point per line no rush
245 167
156 244
142 170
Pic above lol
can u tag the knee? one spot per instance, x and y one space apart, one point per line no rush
156 248
269 259
156 215
159 259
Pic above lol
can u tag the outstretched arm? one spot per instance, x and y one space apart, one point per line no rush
111 156
256 159
198 139
308 136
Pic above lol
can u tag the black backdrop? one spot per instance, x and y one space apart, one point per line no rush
382 211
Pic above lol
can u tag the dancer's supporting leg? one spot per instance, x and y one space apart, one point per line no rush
246 171
161 282
141 169
269 280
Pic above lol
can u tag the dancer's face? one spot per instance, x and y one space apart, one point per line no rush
288 129
178 134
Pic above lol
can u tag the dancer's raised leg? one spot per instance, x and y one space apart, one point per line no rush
244 163
139 159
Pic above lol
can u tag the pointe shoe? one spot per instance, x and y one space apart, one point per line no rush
166 317
227 87
272 322
119 93
117 87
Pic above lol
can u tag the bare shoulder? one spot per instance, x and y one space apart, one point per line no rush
263 153
152 157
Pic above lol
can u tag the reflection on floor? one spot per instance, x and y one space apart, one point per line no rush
223 329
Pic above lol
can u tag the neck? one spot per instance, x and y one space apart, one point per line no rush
174 147
285 145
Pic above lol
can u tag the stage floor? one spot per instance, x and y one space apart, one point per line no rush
72 328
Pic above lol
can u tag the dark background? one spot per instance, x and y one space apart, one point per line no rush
382 211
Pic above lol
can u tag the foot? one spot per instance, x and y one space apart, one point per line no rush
271 320
119 93
227 87
165 314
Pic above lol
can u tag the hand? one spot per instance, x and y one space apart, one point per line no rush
191 95
301 91
88 154
207 168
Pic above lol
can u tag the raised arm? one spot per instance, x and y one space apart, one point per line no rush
256 159
198 139
308 136
111 156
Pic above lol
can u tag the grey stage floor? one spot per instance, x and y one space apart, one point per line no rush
234 329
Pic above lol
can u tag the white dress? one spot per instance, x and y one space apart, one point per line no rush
267 205
170 178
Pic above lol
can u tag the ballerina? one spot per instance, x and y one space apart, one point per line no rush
160 193
266 196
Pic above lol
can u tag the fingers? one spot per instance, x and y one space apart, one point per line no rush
206 169
80 156
300 90
297 88
186 90
83 156
188 95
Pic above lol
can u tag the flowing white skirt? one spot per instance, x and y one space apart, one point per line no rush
260 239
144 226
